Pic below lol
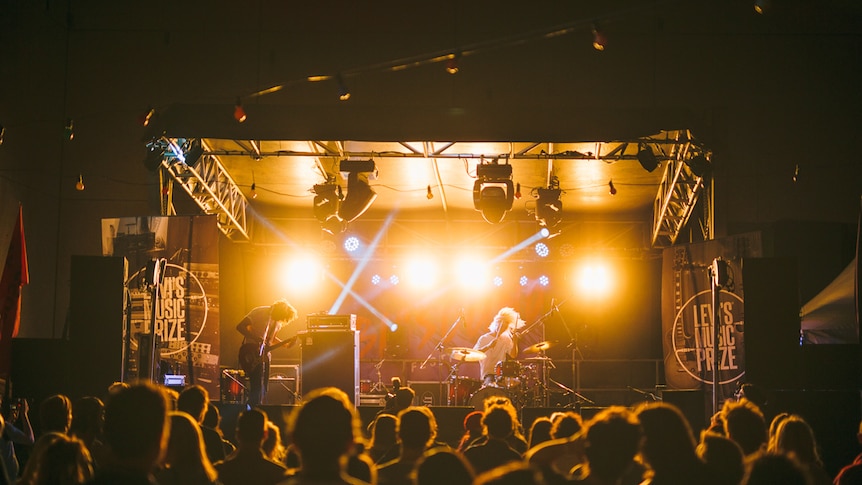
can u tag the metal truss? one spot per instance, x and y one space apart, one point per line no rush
187 163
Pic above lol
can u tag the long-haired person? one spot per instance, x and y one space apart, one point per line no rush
186 461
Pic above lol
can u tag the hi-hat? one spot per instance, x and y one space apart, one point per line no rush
466 354
539 347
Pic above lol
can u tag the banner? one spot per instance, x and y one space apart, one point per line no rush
15 275
688 316
185 317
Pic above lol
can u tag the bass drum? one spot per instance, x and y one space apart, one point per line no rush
477 400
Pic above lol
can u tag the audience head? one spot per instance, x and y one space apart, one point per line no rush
136 424
723 458
613 438
498 422
417 427
194 400
404 397
88 417
55 414
795 436
273 448
513 473
769 469
569 424
773 427
669 444
186 445
443 466
473 422
540 431
212 418
64 460
383 432
744 423
324 428
251 428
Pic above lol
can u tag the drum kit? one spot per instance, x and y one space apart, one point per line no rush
523 382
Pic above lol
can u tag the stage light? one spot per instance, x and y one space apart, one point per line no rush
394 280
544 280
375 279
253 190
69 129
549 207
523 281
301 274
600 41
148 116
647 159
239 112
193 153
542 250
343 90
327 201
761 6
452 63
498 281
593 279
470 273
154 157
493 191
699 166
351 244
359 198
421 273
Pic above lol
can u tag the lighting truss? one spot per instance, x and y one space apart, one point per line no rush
208 184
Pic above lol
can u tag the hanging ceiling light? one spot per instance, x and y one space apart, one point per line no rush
360 195
600 41
452 64
79 185
239 112
343 90
69 129
647 159
549 207
611 188
493 191
327 201
699 165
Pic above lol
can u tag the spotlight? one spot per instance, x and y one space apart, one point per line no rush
360 195
699 165
239 112
351 244
549 207
326 204
599 39
647 159
542 250
493 191
194 152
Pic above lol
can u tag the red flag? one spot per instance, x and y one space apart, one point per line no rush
15 275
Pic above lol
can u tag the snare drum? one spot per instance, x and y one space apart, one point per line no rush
460 390
477 400
507 368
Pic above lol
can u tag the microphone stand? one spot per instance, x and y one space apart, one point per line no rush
645 393
439 349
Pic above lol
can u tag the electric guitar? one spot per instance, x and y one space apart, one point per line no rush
251 357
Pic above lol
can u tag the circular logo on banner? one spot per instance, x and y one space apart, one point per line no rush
171 322
693 337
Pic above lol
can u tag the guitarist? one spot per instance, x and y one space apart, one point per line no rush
259 329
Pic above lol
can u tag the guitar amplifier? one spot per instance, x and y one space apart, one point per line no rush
331 322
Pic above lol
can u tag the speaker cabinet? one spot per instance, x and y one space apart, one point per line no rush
96 321
773 355
330 358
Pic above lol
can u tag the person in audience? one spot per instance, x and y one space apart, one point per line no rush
540 431
273 448
795 437
472 430
852 472
400 399
64 461
186 461
566 424
17 431
669 447
773 428
417 429
495 450
212 420
195 400
771 469
248 465
136 433
88 419
612 441
384 439
442 466
744 424
324 431
723 458
514 473
55 414
516 439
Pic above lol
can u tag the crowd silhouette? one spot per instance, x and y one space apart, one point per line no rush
144 433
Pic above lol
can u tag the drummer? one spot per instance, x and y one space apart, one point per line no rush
499 342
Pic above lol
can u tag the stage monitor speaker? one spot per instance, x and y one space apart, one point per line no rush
773 355
97 306
330 358
429 393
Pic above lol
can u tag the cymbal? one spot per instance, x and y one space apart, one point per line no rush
538 357
539 347
466 354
